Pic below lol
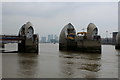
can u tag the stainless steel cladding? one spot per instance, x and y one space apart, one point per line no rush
117 46
26 29
91 31
67 37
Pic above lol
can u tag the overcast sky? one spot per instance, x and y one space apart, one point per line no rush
51 17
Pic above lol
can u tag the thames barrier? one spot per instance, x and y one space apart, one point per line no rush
77 55
69 39
88 41
26 39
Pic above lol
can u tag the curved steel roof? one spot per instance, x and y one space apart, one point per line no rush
91 27
118 38
25 27
64 32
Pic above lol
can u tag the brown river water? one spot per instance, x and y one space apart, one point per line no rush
52 63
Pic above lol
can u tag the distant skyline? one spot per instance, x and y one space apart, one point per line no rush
51 38
51 17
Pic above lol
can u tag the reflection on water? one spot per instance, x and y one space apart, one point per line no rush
118 62
52 63
75 65
67 66
118 52
27 64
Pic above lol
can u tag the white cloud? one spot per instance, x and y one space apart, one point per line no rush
60 0
0 18
50 18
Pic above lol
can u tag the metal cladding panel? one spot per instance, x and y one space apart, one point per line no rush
118 38
24 28
64 33
91 30
27 26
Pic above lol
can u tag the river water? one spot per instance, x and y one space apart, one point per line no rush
52 63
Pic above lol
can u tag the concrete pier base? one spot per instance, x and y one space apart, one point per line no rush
2 45
89 49
89 46
117 46
82 46
29 46
69 46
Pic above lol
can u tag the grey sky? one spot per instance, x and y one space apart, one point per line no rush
50 18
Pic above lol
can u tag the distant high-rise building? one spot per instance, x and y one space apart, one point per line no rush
50 38
56 38
43 40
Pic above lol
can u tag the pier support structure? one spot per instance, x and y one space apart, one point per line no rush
30 42
117 45
87 41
